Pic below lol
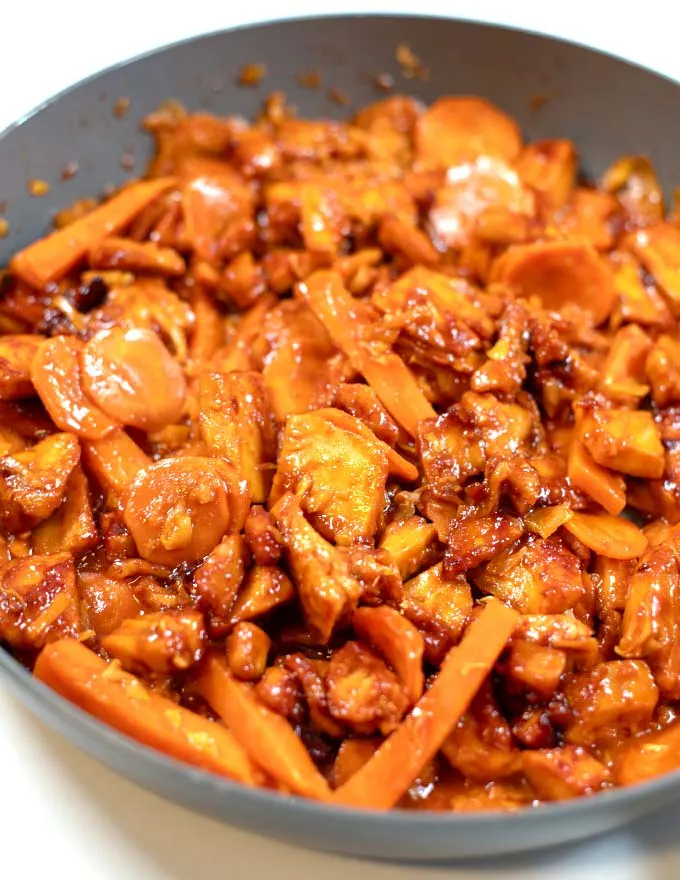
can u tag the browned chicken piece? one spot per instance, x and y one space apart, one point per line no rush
38 601
158 644
353 753
362 692
624 440
559 272
412 544
262 536
16 357
450 452
448 301
300 365
473 540
646 757
236 424
314 458
430 600
504 371
549 167
266 587
218 579
72 526
247 649
108 601
362 402
658 249
663 371
651 619
377 573
481 745
146 305
399 642
567 772
504 427
539 577
327 591
33 482
609 703
311 675
279 689
535 668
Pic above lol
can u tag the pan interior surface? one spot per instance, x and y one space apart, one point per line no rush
554 89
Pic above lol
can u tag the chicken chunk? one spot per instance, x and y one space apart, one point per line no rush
481 745
432 600
237 426
314 459
540 577
33 482
38 601
158 644
610 702
362 692
327 591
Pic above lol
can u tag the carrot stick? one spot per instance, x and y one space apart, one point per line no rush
390 378
121 700
51 257
385 777
266 736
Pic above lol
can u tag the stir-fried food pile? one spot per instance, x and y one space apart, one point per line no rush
343 459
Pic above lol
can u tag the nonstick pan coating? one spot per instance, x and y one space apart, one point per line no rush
554 89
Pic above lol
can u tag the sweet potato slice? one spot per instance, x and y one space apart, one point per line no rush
559 273
121 700
386 373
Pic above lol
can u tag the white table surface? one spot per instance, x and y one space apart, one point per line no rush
59 810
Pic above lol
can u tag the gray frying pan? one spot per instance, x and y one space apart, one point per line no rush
554 89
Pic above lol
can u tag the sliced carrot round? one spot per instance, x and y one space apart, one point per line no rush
456 130
612 536
179 509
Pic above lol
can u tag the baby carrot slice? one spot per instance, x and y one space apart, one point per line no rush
121 700
51 257
266 736
385 777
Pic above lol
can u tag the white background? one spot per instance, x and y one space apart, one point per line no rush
59 810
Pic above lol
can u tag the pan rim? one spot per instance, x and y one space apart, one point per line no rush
33 693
